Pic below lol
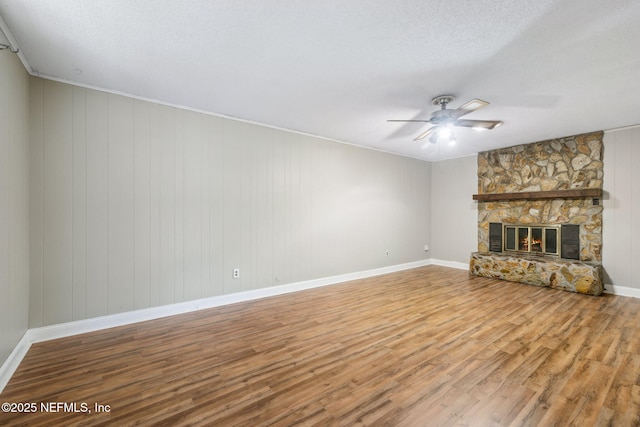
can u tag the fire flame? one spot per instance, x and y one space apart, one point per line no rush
536 244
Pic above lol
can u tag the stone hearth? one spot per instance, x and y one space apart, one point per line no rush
574 276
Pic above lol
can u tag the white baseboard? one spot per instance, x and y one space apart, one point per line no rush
452 264
621 290
62 330
13 361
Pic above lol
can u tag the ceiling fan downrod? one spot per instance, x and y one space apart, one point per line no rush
442 100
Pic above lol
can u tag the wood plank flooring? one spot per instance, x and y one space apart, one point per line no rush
425 347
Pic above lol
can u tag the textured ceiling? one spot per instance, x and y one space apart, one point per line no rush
340 69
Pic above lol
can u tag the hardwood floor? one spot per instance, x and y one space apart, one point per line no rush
426 347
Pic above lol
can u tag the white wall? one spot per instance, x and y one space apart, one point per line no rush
135 204
454 213
14 233
621 215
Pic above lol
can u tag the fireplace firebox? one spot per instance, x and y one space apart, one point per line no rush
536 239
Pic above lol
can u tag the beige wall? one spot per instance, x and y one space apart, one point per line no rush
136 204
621 215
454 213
14 233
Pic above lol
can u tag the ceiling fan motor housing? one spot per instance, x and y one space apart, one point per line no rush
443 100
441 116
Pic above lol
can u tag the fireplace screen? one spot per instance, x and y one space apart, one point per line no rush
533 239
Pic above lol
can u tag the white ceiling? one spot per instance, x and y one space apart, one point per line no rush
340 68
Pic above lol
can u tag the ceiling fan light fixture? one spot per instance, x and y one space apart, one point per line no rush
446 131
444 134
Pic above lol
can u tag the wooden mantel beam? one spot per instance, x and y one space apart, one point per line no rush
541 195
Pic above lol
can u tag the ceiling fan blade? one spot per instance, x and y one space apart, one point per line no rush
426 133
400 120
469 107
478 124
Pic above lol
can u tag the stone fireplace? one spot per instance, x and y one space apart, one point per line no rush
539 213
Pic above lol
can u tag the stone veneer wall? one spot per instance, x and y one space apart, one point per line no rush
557 164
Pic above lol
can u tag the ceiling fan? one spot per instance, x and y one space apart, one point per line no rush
445 119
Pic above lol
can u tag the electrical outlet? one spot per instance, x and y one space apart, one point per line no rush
426 248
236 273
386 253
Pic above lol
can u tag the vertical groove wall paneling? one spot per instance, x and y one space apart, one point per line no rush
216 144
58 203
294 214
79 188
257 212
19 222
121 204
36 199
232 204
304 237
14 202
250 150
153 205
281 206
167 148
142 205
6 172
180 143
97 204
193 144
